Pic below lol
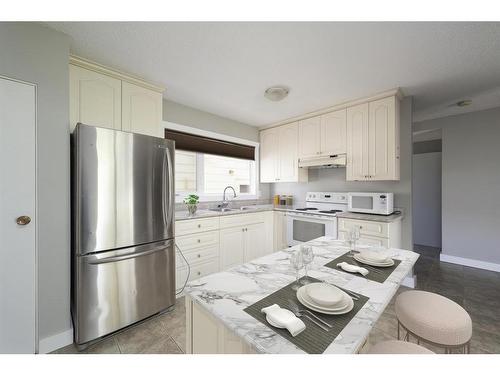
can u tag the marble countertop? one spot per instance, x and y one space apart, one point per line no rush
200 214
371 217
226 294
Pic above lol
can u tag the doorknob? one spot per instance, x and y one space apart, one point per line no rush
23 220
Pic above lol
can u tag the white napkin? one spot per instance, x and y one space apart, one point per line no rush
351 268
284 318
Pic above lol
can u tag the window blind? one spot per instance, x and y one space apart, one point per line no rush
196 143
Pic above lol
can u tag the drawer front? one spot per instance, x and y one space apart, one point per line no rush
191 226
201 254
204 269
243 219
193 241
369 228
367 240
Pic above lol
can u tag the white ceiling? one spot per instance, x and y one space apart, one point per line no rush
224 68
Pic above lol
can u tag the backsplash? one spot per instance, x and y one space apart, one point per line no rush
232 203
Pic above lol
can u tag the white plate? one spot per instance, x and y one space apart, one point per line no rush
372 263
324 294
375 256
303 300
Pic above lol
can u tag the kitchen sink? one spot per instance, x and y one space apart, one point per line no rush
221 209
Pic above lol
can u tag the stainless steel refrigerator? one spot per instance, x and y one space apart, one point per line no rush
123 260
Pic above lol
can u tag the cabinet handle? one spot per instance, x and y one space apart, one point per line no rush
199 225
199 255
199 240
199 273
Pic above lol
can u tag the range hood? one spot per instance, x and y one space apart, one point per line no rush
327 161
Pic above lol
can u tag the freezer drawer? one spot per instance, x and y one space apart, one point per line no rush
114 289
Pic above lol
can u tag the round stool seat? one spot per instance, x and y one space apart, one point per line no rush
434 318
398 347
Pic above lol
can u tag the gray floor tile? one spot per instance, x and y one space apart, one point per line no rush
143 337
107 346
175 323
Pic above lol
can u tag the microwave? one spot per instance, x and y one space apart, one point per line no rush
371 203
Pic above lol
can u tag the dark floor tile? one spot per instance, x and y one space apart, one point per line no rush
483 341
70 349
477 275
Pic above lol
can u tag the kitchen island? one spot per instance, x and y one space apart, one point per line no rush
217 323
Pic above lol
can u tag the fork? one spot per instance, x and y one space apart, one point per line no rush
294 308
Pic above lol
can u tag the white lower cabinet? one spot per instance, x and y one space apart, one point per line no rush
214 244
280 231
206 335
373 232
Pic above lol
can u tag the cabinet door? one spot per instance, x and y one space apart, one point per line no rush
367 240
94 99
280 231
232 250
255 241
382 139
141 110
310 137
357 143
269 155
288 153
333 133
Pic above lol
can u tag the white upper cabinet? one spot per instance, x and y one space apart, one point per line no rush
357 143
279 155
384 139
333 133
141 110
373 141
269 155
95 99
100 96
310 137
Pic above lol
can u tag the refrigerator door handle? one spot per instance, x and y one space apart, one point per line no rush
167 200
93 259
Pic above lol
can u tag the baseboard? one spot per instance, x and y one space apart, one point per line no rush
51 343
409 281
470 262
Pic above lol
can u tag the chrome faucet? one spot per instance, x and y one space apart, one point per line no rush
225 203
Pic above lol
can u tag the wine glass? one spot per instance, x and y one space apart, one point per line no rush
297 263
307 258
353 236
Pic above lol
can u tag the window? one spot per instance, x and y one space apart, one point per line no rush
208 175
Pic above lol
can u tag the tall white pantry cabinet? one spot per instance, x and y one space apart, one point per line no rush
100 96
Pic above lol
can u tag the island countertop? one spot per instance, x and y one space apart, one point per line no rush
225 295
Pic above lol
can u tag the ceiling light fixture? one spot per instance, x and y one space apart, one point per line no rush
276 93
464 103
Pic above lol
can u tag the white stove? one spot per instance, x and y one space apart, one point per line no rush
317 218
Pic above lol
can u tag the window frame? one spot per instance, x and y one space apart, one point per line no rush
179 197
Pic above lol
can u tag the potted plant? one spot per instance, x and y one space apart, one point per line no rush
191 202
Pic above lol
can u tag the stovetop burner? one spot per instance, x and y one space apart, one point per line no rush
307 209
330 211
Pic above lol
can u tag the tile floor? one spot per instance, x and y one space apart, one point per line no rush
478 291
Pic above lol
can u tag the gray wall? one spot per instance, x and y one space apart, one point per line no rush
184 115
334 179
470 184
426 193
35 53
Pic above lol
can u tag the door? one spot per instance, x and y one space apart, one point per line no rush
302 228
357 143
288 156
141 110
333 133
310 137
123 190
114 289
382 139
232 247
94 99
255 241
17 208
269 155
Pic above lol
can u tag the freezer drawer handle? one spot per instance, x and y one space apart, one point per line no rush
127 256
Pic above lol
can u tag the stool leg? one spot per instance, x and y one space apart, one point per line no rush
398 329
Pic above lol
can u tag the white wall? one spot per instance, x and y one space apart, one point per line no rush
37 54
471 184
426 193
334 179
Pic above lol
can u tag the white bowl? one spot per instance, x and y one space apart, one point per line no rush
324 294
375 256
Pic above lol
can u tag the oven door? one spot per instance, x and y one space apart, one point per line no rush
303 228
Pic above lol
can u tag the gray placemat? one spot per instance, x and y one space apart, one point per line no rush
378 274
313 339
